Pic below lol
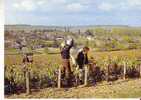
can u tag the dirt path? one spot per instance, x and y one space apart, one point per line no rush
118 89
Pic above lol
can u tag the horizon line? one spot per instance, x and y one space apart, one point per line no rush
77 25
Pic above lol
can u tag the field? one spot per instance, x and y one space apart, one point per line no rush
49 62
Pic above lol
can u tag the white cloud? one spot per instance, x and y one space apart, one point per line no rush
27 5
75 7
105 6
130 5
134 2
121 5
49 5
41 5
41 2
59 1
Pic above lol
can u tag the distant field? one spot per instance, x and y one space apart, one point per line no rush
123 53
56 58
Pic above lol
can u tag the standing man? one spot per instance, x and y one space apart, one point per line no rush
82 59
65 54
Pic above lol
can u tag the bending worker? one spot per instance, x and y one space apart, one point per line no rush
81 60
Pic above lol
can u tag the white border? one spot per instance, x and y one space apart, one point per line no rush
2 49
2 58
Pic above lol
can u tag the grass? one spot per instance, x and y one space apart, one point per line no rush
118 89
43 58
122 53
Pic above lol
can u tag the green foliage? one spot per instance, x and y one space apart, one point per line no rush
15 74
120 61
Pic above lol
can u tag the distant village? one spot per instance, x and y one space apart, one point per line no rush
99 37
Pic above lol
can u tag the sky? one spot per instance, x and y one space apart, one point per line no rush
73 12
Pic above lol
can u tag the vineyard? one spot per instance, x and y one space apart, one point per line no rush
72 49
104 66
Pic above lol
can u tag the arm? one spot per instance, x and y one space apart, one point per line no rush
86 59
73 60
70 43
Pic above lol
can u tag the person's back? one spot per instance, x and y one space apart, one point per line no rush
65 52
82 58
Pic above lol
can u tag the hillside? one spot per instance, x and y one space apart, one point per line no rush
83 28
99 37
117 89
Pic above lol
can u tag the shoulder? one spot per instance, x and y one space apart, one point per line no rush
80 50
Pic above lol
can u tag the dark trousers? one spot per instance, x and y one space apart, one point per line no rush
66 71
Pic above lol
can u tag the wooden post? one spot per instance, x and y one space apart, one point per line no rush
124 71
76 80
108 68
27 60
107 74
86 76
77 76
27 76
140 69
59 78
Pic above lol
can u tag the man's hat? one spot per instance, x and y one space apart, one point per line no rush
86 48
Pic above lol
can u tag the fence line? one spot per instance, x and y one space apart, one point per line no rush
86 72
